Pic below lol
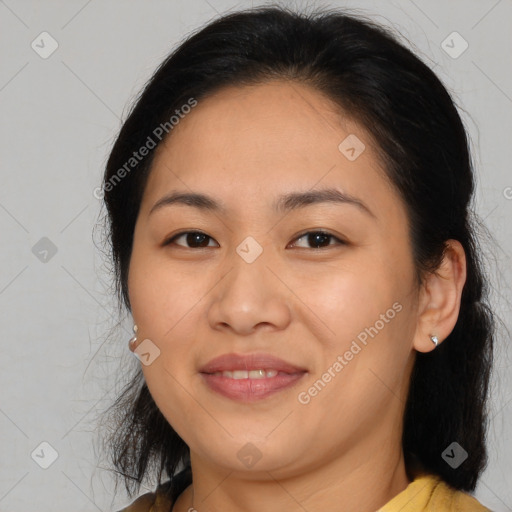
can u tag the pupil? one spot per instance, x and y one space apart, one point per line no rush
315 237
192 238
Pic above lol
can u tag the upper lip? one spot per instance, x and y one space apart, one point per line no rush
231 362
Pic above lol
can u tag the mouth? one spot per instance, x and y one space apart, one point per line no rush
248 363
247 378
248 374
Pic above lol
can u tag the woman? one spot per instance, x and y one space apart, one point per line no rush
288 205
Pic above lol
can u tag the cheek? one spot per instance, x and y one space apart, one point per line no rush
365 314
171 391
162 295
345 299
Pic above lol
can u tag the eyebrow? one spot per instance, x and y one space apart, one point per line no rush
287 202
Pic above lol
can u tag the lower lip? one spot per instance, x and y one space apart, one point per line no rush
250 390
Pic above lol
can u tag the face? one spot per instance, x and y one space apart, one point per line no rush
323 281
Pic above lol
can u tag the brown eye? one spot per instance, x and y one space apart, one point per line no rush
319 239
193 239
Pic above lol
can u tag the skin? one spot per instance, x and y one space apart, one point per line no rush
244 147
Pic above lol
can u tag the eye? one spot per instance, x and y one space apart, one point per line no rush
319 239
194 239
198 239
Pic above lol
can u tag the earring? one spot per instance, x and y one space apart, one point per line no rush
131 343
435 340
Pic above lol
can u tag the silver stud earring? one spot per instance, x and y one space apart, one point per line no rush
131 343
435 340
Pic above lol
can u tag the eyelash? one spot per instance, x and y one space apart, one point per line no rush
302 235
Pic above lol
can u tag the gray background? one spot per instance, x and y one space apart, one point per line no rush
62 344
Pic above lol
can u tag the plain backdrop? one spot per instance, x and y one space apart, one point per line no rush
69 72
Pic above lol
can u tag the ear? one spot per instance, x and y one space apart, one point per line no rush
440 297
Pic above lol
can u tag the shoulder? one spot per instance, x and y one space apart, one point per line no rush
455 500
156 501
429 493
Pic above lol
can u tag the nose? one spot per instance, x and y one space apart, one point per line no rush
250 297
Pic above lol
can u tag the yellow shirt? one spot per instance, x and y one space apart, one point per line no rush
426 493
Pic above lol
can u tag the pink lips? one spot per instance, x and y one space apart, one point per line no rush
247 389
230 362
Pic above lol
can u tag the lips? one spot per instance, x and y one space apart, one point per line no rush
233 362
247 378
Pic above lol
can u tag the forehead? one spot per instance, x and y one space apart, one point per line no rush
266 138
266 119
